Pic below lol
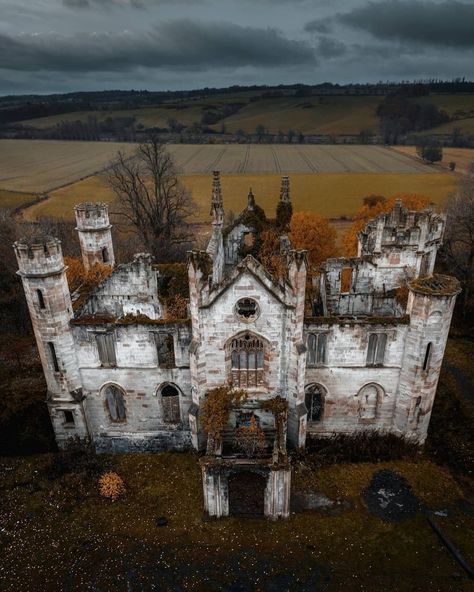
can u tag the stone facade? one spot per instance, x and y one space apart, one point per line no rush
364 355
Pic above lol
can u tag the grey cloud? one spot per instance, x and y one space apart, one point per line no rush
448 23
319 26
330 48
179 44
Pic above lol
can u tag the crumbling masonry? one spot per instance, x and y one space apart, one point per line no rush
365 354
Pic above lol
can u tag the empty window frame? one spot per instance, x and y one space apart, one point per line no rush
115 401
105 255
53 356
247 309
106 349
314 401
317 349
369 399
376 349
247 361
170 404
427 359
68 417
40 297
346 279
165 350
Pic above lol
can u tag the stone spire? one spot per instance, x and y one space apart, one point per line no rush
251 200
285 190
217 204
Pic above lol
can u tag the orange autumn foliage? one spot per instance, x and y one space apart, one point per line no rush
311 232
411 201
77 275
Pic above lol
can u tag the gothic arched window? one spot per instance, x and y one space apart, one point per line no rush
314 400
115 400
247 361
369 399
170 404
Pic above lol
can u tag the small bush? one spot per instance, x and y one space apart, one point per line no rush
452 166
362 447
111 486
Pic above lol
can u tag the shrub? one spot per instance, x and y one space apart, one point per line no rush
452 166
250 440
362 447
111 486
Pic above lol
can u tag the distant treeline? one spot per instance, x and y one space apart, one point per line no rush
25 107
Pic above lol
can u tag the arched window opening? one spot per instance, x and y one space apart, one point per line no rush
376 349
105 255
170 403
314 400
317 349
115 400
427 360
41 301
369 400
54 357
247 362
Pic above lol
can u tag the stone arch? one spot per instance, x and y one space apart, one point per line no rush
114 397
169 397
370 397
315 398
246 355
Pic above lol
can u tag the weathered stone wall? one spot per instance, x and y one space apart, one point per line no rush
95 236
346 373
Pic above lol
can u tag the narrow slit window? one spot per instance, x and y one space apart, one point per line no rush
41 301
105 255
54 357
427 360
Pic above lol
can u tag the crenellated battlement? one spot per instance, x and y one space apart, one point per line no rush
92 216
39 256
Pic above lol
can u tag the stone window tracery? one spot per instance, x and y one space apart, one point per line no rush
247 361
376 349
316 349
247 309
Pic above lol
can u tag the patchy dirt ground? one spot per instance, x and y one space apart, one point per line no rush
57 534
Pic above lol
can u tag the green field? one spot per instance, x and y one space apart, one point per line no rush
331 195
311 115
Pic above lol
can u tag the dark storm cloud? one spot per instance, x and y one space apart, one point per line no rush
179 44
319 26
330 48
104 3
448 23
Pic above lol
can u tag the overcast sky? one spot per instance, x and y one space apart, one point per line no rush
65 45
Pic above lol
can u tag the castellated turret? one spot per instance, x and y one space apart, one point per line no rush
43 273
430 306
95 234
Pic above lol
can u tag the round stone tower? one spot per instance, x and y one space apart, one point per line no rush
43 274
430 307
95 234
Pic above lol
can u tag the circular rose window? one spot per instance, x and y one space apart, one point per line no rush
247 309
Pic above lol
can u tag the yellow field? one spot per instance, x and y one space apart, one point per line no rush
12 199
330 195
463 157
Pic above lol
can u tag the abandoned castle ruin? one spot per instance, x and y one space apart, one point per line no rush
364 354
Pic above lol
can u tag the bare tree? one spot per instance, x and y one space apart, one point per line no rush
151 197
459 240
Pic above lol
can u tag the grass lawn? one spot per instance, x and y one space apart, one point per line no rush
60 535
463 157
331 195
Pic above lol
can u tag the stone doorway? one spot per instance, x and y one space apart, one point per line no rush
246 494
